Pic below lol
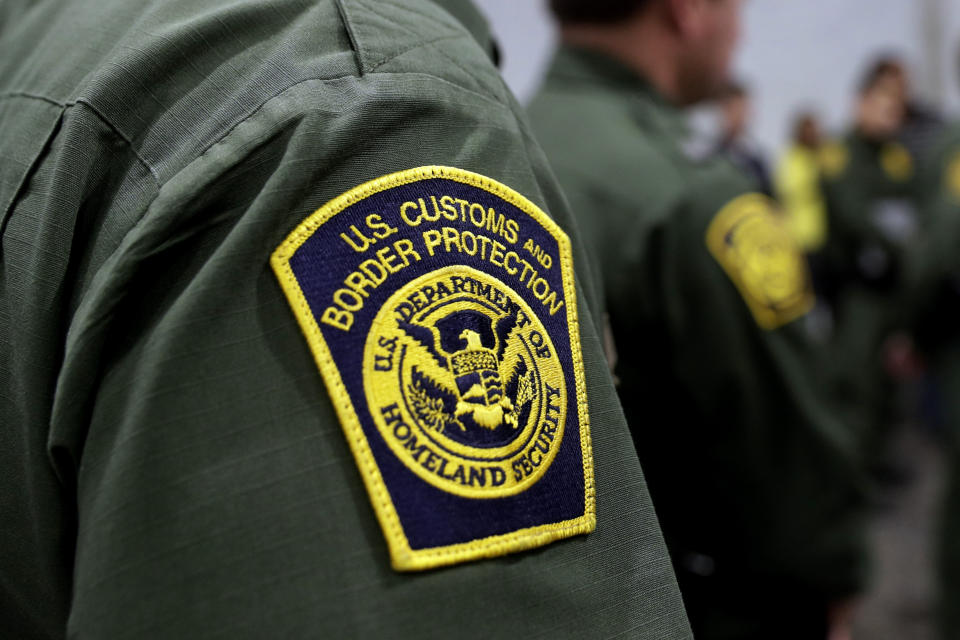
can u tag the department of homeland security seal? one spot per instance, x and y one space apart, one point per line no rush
440 308
472 398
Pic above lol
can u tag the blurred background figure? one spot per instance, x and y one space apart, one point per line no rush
868 186
935 302
736 110
754 479
879 76
798 184
933 305
920 124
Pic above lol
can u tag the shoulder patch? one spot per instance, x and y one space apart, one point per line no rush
951 176
757 252
897 162
440 308
834 158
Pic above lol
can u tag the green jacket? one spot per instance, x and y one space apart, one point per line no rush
933 264
171 463
935 301
869 188
746 463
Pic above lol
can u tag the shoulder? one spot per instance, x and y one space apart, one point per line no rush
709 187
598 146
947 148
716 198
420 37
941 170
174 79
798 160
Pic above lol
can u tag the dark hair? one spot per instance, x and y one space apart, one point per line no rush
881 67
595 11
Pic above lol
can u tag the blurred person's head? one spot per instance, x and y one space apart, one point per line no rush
882 99
735 105
806 129
683 47
888 71
880 113
595 12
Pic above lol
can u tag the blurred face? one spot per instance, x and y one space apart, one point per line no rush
880 111
899 83
710 30
808 133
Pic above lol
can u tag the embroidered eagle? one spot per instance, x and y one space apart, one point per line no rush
480 398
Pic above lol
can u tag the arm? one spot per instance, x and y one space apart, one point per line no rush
762 474
216 490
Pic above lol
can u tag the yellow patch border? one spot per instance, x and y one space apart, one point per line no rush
727 218
403 557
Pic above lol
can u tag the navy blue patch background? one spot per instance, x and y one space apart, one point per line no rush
431 517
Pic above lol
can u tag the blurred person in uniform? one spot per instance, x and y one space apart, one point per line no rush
274 361
798 185
922 125
800 195
868 182
935 298
932 296
736 109
755 481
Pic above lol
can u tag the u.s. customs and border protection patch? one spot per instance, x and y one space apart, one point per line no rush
440 308
757 252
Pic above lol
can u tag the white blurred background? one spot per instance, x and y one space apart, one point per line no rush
794 53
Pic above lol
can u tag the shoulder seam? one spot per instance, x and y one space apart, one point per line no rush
31 96
418 45
240 121
100 116
351 36
368 66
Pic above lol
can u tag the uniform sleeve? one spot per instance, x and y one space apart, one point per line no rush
217 494
932 291
760 474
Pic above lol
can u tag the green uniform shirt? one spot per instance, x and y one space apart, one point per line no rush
868 187
171 464
753 478
933 263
